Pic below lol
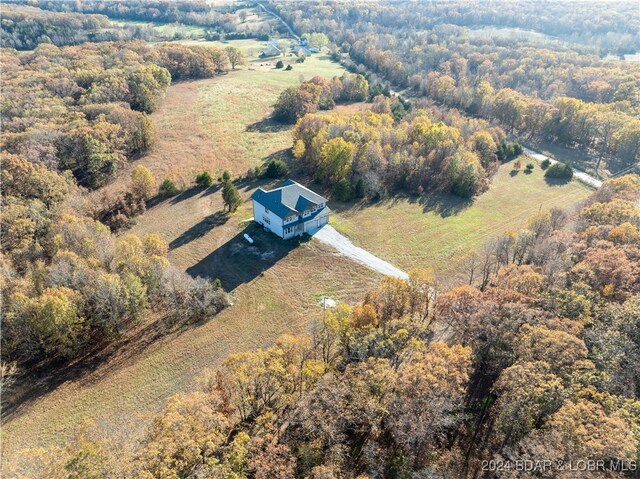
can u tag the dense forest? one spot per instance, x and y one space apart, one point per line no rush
369 153
548 88
24 28
536 359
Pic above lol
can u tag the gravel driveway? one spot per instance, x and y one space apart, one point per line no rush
577 174
327 234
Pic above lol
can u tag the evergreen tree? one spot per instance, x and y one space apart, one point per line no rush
231 196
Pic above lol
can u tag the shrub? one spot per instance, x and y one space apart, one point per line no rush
231 196
517 149
508 151
289 67
168 188
530 166
226 176
204 180
279 64
142 182
277 169
559 170
118 222
544 164
397 110
360 189
342 190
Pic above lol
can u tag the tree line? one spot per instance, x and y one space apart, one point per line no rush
369 153
319 93
534 360
24 28
85 108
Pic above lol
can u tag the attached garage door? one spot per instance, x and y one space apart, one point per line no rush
322 221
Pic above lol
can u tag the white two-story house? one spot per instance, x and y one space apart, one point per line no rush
290 210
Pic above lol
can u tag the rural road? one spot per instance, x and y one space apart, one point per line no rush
281 20
578 175
328 235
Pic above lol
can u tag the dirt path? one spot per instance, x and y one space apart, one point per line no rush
581 176
327 234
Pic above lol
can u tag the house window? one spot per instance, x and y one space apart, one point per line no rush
288 230
266 220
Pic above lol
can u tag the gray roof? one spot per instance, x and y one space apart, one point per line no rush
274 44
290 198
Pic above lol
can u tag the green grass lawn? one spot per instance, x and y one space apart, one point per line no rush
439 232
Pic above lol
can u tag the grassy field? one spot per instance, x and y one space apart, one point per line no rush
253 19
166 30
439 231
223 123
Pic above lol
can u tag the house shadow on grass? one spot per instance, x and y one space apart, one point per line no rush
237 262
200 229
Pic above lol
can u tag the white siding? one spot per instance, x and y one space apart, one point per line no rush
316 223
273 223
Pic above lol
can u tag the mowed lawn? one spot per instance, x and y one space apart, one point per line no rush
440 231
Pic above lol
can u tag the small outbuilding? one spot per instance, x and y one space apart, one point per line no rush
271 50
290 210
